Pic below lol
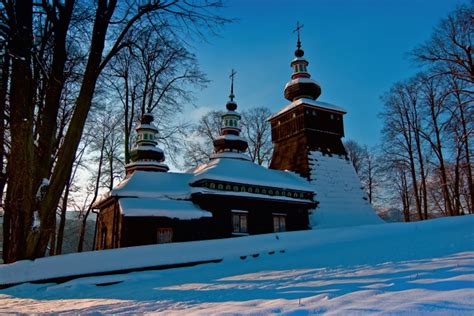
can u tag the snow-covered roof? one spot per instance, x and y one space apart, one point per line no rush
146 184
299 59
147 126
184 210
309 102
228 154
243 171
148 147
230 137
342 201
300 80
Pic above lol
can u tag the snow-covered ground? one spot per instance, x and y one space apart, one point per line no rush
401 268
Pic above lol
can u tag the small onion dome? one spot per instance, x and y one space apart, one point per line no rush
299 52
302 88
300 85
230 142
231 106
145 155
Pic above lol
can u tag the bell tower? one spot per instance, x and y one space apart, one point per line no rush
305 124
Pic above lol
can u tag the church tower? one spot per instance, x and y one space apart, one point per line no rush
305 124
307 140
145 155
229 144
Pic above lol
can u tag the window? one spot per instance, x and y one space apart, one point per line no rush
145 136
103 238
212 185
239 222
164 235
279 223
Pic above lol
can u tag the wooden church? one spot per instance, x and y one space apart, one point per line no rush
310 182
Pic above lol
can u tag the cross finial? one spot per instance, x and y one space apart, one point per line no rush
232 75
297 30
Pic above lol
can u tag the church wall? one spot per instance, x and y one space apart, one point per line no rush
292 154
106 222
260 214
324 121
144 230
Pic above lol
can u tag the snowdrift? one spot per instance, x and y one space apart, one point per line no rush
156 256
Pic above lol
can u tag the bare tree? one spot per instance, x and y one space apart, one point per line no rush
37 42
257 130
449 50
199 148
156 75
356 154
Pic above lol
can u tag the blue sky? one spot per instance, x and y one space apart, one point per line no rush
356 50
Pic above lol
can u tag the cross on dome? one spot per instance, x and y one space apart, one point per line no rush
297 30
232 75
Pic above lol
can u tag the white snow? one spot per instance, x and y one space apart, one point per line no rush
184 210
312 103
229 154
171 185
149 147
146 126
299 59
420 268
342 201
300 80
242 171
230 137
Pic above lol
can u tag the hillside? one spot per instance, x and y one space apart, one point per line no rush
399 268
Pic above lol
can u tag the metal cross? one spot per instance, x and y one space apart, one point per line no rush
298 28
232 75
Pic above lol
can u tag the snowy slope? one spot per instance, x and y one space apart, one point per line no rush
398 269
342 201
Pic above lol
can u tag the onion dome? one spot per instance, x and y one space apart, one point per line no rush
229 139
301 85
145 155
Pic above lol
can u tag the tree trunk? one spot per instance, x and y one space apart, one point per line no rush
62 220
3 99
73 135
439 152
20 198
405 197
